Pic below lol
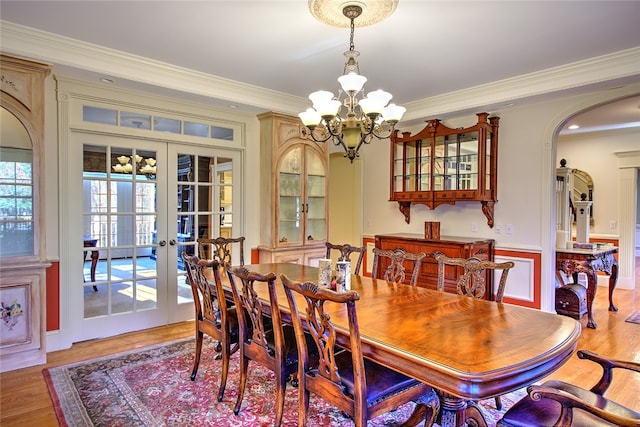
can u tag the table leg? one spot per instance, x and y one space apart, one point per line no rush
95 255
425 411
453 412
474 416
613 281
592 282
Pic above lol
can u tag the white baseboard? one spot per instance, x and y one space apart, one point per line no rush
53 341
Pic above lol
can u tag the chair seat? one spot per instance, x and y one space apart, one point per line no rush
382 382
545 412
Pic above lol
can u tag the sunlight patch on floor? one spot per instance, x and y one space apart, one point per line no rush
143 293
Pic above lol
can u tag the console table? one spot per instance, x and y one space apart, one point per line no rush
574 261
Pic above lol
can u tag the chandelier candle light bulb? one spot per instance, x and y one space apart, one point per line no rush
356 119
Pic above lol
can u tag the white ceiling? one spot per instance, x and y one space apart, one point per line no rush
424 50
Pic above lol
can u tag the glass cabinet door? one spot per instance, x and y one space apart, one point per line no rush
425 166
315 209
290 194
468 162
410 164
302 197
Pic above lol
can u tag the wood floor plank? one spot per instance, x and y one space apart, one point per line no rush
24 399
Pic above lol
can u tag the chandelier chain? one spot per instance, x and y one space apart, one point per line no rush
352 46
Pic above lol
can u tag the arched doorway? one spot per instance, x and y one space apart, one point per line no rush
620 187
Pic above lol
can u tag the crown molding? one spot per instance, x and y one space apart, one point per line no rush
56 49
595 70
60 50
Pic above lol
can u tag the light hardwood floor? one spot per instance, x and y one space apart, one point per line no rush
24 399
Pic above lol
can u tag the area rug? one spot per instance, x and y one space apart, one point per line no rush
634 318
151 387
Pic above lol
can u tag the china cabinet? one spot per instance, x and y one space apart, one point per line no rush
293 192
442 165
22 261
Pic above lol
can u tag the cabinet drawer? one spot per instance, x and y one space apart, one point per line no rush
444 195
465 194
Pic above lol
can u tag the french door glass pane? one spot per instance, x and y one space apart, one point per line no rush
119 230
204 209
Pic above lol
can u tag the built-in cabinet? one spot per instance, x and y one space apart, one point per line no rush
22 261
442 165
293 192
452 247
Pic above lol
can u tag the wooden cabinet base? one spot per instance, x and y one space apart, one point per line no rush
23 324
305 255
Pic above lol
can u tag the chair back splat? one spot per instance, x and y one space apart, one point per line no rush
395 272
212 315
357 386
220 248
472 283
345 254
263 337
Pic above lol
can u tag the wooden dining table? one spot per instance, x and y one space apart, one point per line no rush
468 349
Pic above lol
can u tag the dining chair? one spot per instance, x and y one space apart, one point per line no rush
396 270
264 338
345 254
220 248
212 316
358 387
472 282
557 403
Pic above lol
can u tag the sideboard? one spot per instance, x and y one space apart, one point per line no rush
454 247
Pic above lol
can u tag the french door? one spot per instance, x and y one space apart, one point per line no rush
136 206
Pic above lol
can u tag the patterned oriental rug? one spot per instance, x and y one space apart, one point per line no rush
151 387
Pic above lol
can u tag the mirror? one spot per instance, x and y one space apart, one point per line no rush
582 184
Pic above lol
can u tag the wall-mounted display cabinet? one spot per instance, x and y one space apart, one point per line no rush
294 189
441 165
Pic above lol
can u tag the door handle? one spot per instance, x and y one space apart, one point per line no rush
172 242
162 242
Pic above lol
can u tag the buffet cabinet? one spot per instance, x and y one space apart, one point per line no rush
442 165
293 191
453 247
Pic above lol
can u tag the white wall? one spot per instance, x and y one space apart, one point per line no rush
594 154
526 175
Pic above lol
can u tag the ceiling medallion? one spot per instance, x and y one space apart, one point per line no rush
330 11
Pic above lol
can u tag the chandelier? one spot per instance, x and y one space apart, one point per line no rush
350 119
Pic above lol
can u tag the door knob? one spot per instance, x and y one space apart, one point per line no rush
162 242
172 242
